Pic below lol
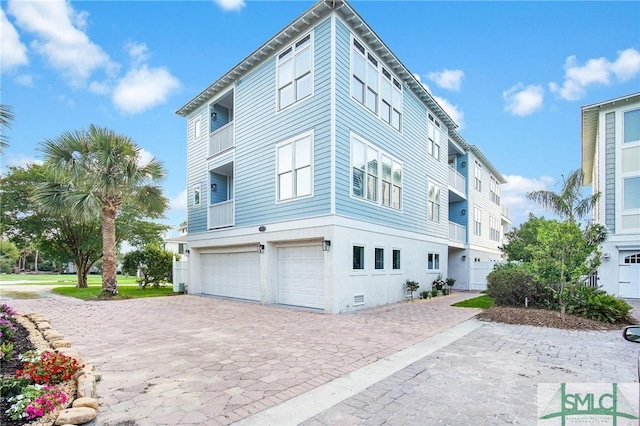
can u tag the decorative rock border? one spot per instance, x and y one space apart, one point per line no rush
84 408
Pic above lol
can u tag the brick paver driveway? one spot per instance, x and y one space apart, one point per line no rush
197 360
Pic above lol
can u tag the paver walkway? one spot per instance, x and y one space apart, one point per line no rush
489 377
196 360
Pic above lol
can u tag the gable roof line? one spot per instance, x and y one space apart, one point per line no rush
303 22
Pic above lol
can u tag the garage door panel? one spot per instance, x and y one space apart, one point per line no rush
231 275
301 276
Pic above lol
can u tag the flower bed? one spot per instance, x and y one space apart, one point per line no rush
36 382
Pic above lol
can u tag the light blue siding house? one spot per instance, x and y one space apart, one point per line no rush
322 174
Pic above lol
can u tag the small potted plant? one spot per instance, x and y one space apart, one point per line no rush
450 282
412 286
438 283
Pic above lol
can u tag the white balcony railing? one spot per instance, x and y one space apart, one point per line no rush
505 212
457 232
221 139
457 181
221 215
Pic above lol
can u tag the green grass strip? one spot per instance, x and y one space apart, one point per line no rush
482 302
124 292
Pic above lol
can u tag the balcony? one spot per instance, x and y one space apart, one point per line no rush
221 215
457 185
505 213
457 232
221 139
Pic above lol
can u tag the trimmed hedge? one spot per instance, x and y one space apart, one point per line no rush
509 285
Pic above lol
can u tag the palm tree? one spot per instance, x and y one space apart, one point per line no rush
569 203
103 174
6 117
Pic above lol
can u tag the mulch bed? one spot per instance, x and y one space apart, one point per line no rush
544 318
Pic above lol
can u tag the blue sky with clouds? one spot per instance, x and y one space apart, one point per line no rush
513 75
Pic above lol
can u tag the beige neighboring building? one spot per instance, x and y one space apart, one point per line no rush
611 165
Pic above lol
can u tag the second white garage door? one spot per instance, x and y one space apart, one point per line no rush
231 275
301 276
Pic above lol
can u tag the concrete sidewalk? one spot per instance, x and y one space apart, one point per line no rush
197 360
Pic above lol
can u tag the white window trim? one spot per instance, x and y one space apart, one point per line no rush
392 270
197 131
477 181
292 45
622 115
381 153
378 112
439 261
292 140
384 260
197 189
439 188
362 271
494 231
434 124
494 191
477 211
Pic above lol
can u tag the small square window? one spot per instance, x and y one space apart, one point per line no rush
379 258
396 259
358 257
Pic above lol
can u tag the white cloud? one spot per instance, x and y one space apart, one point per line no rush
447 79
600 71
59 37
19 160
230 5
523 101
513 195
143 88
452 110
25 80
12 52
144 157
179 202
139 52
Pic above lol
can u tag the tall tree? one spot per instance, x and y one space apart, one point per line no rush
6 117
569 203
105 175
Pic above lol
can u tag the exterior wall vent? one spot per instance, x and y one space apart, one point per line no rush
358 299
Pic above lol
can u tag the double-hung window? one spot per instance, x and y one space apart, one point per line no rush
396 259
379 258
477 221
433 261
369 167
478 177
374 86
358 257
295 157
494 191
295 73
434 202
494 229
433 146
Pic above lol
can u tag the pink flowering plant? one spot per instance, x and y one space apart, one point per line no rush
35 401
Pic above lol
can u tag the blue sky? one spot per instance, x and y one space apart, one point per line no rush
513 75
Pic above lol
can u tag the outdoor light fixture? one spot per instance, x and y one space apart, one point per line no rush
262 228
260 248
464 258
214 187
214 115
463 212
326 245
463 164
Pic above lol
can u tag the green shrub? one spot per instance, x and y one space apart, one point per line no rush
509 285
424 294
596 304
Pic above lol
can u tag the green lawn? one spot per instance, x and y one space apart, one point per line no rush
59 279
124 291
482 302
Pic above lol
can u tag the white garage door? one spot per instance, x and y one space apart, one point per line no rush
231 275
301 276
630 275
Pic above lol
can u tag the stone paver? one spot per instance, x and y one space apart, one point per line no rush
488 377
207 361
